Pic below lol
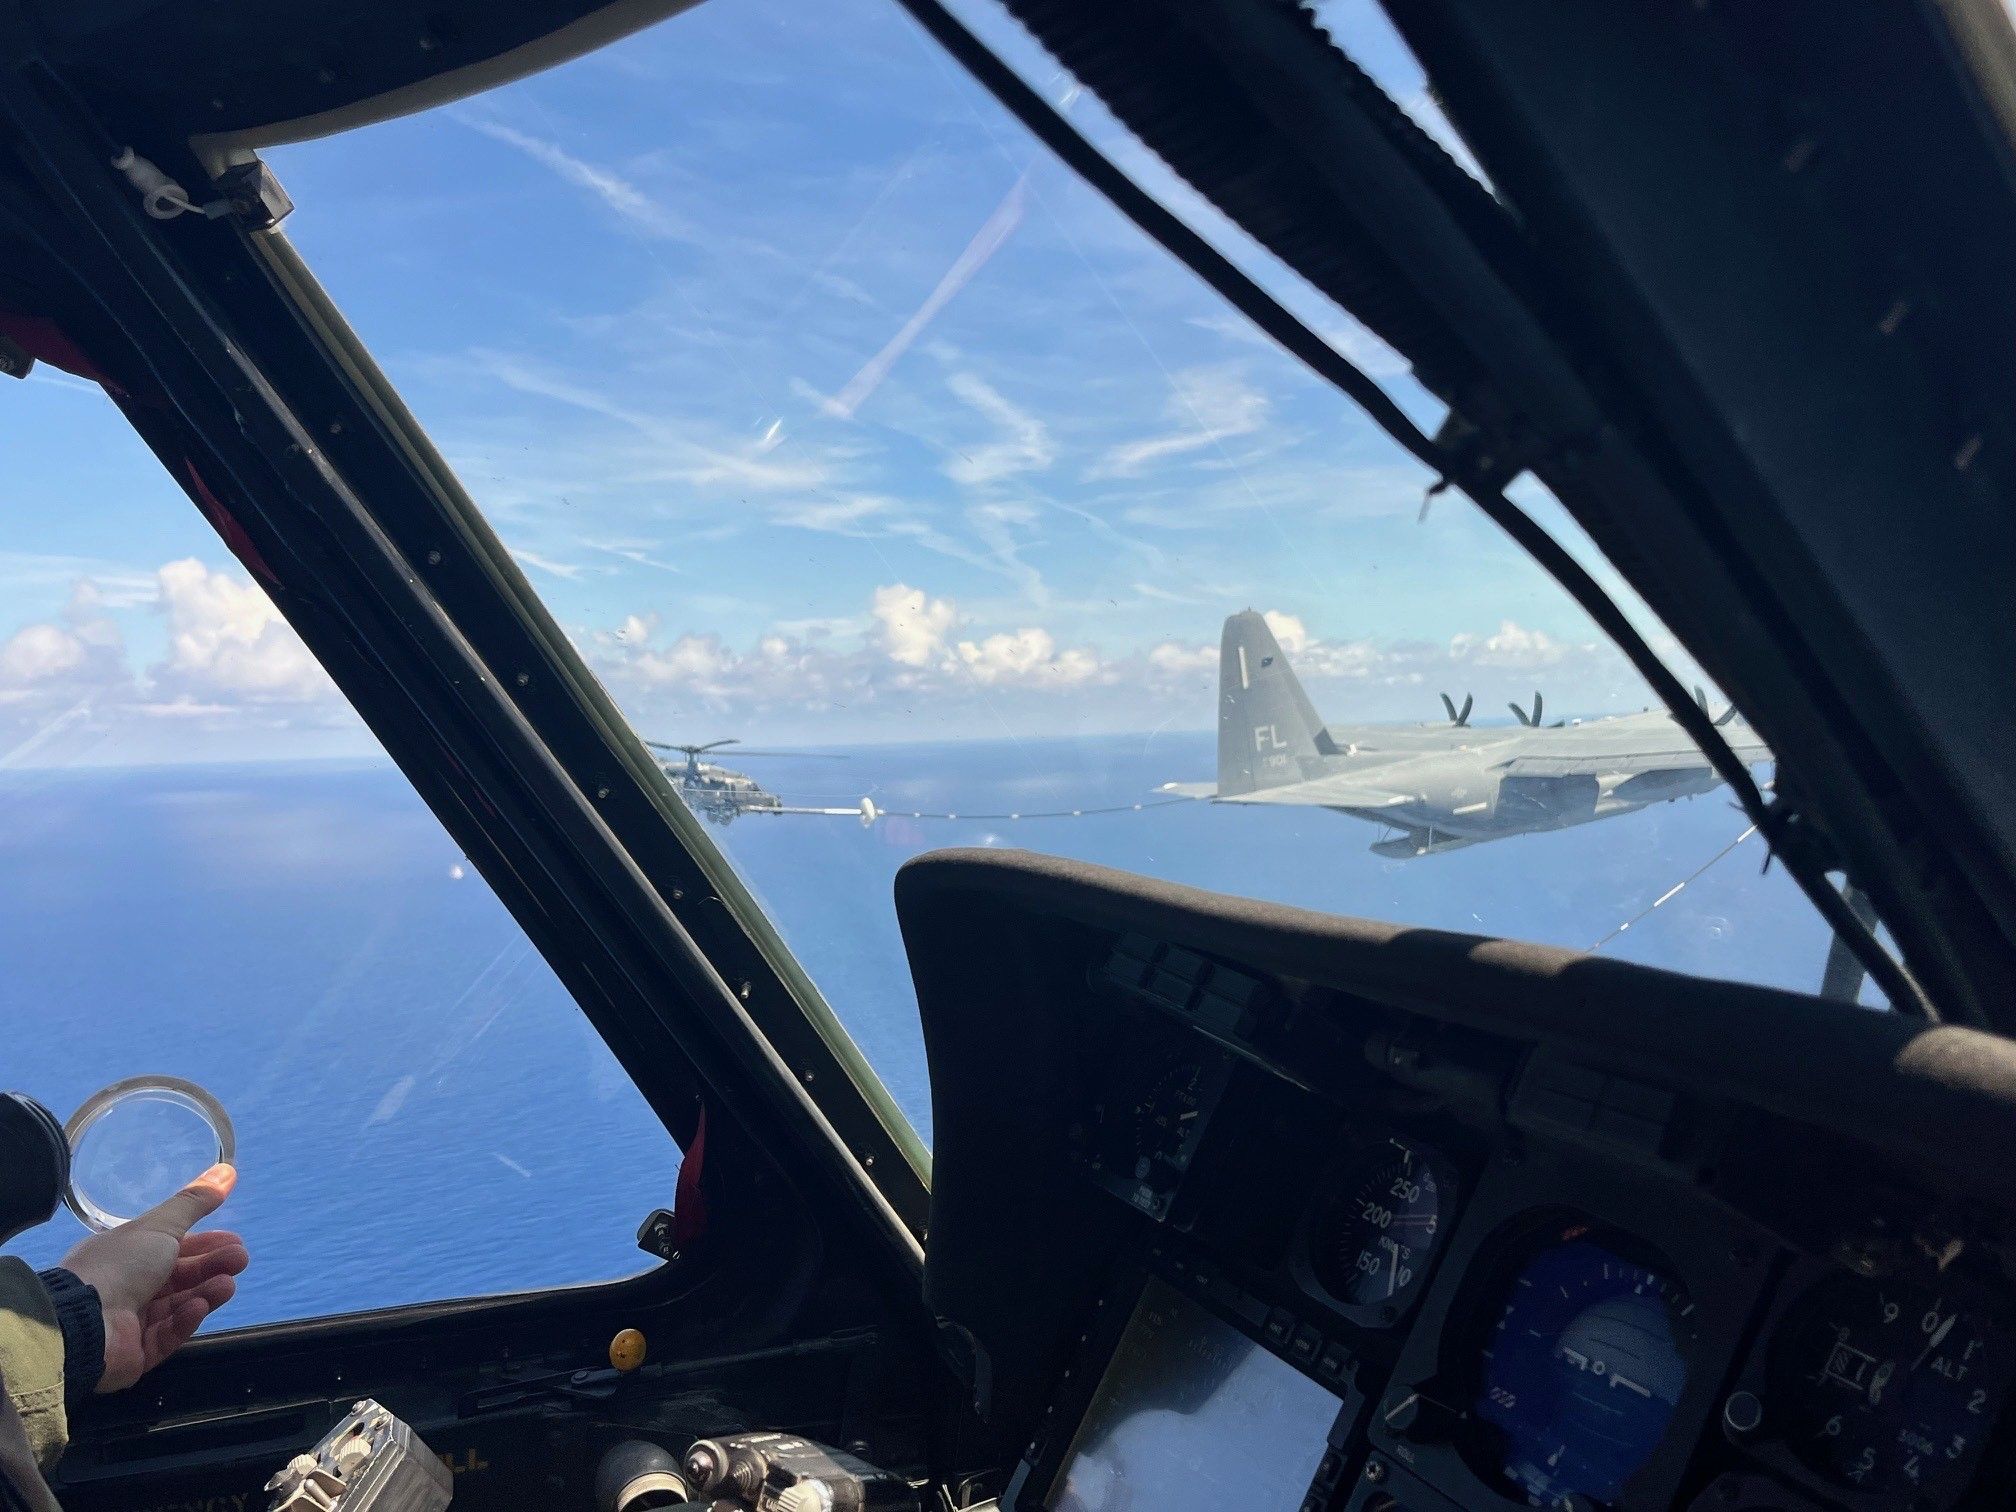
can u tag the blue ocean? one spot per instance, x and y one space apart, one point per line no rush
422 1113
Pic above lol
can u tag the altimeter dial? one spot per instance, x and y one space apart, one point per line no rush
1884 1386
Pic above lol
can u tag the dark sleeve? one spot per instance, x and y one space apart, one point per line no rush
82 1319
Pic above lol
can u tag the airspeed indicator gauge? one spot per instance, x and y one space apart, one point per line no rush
1370 1245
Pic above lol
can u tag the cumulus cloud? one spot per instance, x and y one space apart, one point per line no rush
906 646
80 656
636 628
1511 645
1288 630
1025 656
229 663
913 624
698 662
1176 659
1025 444
1207 405
227 643
38 653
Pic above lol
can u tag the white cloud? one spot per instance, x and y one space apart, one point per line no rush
670 453
698 662
228 643
1208 405
568 571
1025 656
1360 660
1288 630
1511 645
913 624
631 204
38 653
47 666
1026 446
1178 659
112 584
185 707
635 628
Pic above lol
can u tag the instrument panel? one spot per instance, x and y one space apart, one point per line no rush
1544 1305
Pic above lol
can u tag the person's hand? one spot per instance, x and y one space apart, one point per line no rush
157 1281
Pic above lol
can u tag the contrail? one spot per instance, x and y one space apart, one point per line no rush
988 240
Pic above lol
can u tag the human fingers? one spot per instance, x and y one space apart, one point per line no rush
191 1205
169 1332
215 1291
215 1260
212 1293
193 1244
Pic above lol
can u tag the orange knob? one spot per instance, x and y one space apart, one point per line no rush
626 1350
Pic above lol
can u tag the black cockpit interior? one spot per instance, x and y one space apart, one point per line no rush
1229 1204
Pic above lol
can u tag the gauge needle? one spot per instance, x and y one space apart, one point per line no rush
1630 1385
1879 1381
1935 1341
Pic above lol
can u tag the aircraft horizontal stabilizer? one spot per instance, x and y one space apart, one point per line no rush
1190 789
1340 792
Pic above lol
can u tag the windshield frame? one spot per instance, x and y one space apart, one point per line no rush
780 999
280 426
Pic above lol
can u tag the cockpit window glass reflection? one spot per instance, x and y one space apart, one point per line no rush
213 873
908 498
1191 1414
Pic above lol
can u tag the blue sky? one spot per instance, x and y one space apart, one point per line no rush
821 406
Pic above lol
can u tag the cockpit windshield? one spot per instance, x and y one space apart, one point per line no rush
904 496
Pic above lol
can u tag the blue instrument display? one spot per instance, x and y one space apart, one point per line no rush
1581 1369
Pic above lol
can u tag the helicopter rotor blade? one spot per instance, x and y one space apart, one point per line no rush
697 751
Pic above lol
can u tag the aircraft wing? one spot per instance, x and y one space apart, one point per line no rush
1628 746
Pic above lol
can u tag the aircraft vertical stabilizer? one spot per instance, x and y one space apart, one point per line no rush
1268 731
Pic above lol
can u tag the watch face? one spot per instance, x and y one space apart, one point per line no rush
137 1143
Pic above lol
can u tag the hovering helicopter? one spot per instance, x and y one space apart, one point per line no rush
720 794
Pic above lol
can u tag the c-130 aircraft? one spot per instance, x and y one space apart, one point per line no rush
1443 786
